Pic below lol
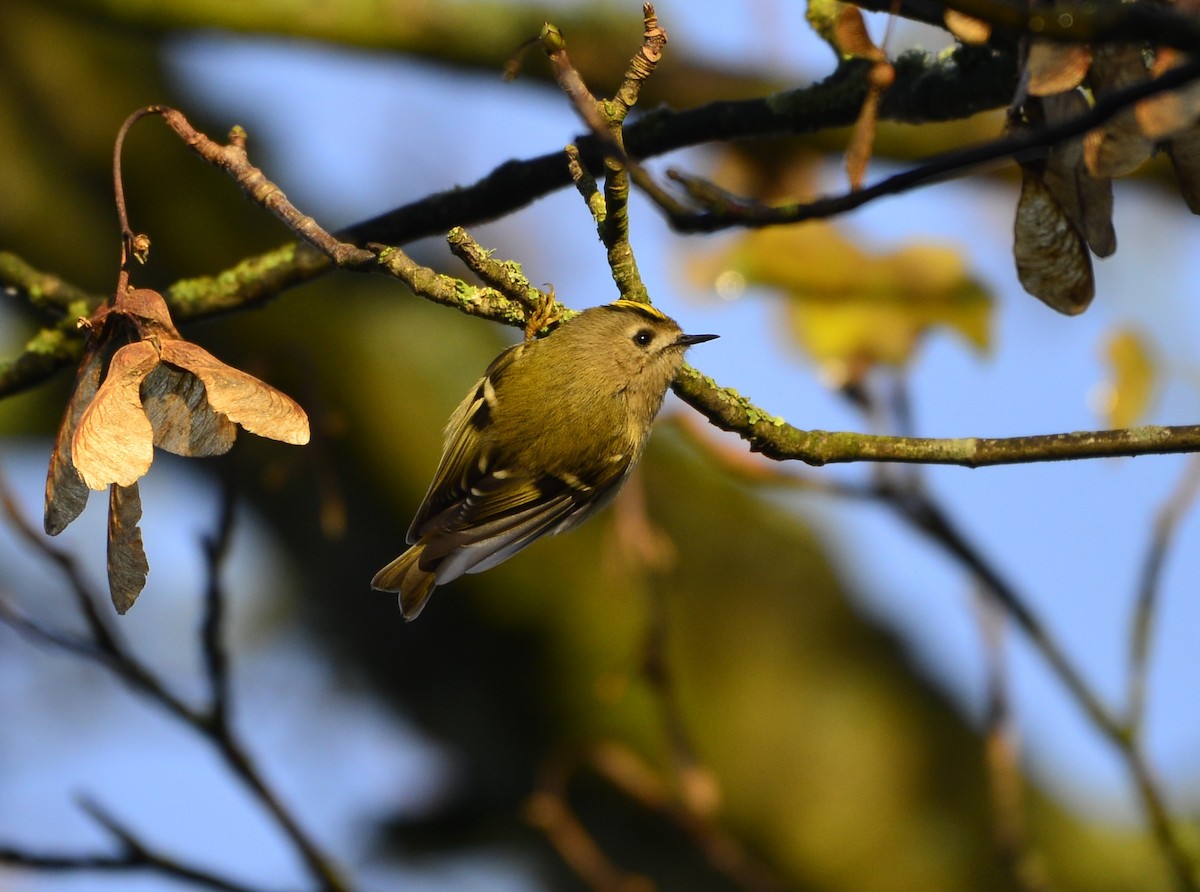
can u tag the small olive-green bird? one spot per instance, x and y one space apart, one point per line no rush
544 440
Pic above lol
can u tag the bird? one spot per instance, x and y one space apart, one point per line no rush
540 443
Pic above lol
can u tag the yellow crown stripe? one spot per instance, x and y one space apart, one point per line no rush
650 312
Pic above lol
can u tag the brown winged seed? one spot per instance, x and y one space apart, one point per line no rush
141 385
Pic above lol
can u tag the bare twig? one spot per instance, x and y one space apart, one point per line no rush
775 438
605 120
232 159
1166 834
1169 516
216 660
651 554
138 856
483 303
104 644
908 499
549 809
504 276
1075 23
143 855
722 210
106 648
919 509
913 503
44 291
1001 755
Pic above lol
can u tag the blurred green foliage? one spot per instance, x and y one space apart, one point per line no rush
834 761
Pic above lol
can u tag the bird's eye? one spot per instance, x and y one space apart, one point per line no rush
643 337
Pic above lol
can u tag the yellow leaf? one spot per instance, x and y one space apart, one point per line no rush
850 309
1130 390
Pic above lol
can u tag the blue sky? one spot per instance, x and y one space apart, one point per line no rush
1071 536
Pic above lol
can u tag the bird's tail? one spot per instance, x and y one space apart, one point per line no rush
404 575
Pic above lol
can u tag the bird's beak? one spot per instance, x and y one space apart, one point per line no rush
687 340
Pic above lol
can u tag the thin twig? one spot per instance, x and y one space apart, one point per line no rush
775 438
1001 755
233 159
722 210
482 303
1096 23
1166 523
549 809
605 120
216 661
651 554
143 855
323 868
917 507
106 637
913 504
140 858
1178 854
105 645
920 510
626 771
211 724
503 275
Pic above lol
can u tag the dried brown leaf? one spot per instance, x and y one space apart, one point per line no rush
1116 66
148 308
1119 147
1085 199
184 423
66 493
127 564
1174 111
114 442
1052 260
1056 67
966 28
242 398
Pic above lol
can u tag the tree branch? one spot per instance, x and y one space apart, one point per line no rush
1088 22
835 100
1170 515
775 438
967 81
105 647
